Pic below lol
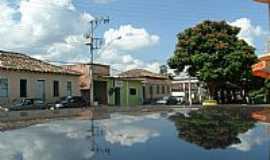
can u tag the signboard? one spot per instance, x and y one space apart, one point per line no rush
119 84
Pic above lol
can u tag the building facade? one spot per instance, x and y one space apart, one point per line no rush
100 72
124 92
154 86
24 77
189 88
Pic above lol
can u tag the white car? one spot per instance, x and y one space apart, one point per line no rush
163 100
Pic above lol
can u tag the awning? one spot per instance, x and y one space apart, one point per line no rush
262 68
263 1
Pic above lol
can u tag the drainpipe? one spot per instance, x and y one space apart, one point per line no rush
127 94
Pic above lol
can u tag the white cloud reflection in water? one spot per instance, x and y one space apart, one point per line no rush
127 130
61 140
66 139
253 137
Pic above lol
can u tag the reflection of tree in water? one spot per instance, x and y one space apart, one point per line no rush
213 128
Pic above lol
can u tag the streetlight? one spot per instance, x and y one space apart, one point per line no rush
109 44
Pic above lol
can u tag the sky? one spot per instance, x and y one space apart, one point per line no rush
53 30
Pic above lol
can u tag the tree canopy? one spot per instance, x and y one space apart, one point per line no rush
214 54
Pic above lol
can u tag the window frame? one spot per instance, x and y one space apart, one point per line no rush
5 88
158 89
131 91
56 88
69 88
23 94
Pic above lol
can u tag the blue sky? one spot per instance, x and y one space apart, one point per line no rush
52 30
166 18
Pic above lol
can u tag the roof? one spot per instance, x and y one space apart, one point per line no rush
22 62
141 73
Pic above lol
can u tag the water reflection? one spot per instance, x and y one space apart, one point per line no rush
219 134
75 139
60 140
213 128
127 130
253 137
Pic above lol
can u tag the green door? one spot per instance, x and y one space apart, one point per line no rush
117 96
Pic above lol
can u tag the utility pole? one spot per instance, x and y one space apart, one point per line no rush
94 43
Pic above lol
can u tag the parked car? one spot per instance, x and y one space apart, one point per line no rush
208 103
167 100
3 109
70 102
27 104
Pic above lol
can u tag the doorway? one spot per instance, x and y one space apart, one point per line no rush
100 92
117 96
40 90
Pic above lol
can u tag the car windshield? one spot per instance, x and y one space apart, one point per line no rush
165 98
38 101
18 102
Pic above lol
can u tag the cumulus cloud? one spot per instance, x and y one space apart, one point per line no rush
131 38
54 30
249 32
37 27
121 44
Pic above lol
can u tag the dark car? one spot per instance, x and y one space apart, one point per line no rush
28 104
71 102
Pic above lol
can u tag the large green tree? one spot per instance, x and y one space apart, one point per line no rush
214 54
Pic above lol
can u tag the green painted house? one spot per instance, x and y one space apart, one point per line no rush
124 92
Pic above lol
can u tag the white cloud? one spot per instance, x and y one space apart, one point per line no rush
132 38
249 32
120 52
36 25
54 30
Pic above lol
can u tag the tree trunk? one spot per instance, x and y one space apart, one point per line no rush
211 88
222 96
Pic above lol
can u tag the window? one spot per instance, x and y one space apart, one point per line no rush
151 90
168 89
56 88
158 89
3 88
132 91
23 88
69 88
163 89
